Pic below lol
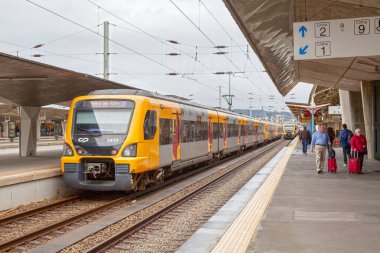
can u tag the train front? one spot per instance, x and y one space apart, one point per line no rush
289 131
95 151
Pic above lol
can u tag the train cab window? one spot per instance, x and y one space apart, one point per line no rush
166 131
150 125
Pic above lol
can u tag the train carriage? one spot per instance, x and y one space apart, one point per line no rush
128 139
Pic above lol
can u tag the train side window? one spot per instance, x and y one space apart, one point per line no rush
150 125
215 133
166 131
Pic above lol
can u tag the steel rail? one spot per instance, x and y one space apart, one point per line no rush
38 210
106 244
7 245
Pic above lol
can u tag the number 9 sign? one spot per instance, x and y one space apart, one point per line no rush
362 27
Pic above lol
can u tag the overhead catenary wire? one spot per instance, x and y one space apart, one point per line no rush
116 42
212 42
231 37
157 38
90 30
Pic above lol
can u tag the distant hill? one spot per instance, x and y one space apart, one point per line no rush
263 113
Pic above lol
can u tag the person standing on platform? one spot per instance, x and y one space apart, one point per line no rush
331 134
319 143
305 137
345 137
359 144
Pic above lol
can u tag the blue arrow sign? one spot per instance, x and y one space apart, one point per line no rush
302 30
303 50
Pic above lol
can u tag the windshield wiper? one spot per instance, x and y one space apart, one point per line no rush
89 131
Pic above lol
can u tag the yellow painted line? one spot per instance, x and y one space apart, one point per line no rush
238 236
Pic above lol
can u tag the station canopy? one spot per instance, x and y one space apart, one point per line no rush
30 83
268 25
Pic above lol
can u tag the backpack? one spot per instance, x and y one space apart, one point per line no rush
346 138
331 152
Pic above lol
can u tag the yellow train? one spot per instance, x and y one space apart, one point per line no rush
128 139
289 131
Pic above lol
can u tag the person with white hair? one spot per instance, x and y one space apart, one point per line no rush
359 144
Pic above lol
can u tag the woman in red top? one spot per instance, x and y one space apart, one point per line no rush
359 144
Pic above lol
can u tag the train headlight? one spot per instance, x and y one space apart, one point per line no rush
67 150
130 150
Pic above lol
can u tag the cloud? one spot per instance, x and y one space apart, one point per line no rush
29 25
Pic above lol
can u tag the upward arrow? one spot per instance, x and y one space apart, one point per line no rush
302 30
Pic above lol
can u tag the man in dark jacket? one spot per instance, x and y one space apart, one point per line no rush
345 137
305 137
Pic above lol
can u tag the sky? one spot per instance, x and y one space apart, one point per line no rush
72 38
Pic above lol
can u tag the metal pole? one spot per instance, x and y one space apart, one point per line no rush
106 50
229 91
220 96
250 107
312 123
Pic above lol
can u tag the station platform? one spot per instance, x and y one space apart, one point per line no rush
5 143
28 179
300 212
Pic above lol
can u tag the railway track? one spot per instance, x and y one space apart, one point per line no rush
147 234
30 238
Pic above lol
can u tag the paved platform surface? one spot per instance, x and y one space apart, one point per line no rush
44 141
47 157
322 213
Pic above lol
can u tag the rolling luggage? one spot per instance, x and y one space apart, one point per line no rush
332 167
354 163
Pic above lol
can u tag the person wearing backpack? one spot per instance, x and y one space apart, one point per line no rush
345 139
359 144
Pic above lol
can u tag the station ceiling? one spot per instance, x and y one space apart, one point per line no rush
268 24
29 83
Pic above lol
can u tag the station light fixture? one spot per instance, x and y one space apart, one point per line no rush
37 55
172 74
173 54
221 52
220 46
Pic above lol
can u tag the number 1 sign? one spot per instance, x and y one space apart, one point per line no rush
336 38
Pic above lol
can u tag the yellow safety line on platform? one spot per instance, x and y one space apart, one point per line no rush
238 236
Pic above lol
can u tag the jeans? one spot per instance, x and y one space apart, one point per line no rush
346 153
304 146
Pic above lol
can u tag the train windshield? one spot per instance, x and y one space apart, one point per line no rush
288 127
103 117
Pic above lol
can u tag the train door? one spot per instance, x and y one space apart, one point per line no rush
176 138
186 133
210 134
166 141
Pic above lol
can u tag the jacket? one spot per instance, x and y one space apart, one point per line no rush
305 135
357 143
345 136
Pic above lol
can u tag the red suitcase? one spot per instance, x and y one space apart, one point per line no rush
332 167
354 163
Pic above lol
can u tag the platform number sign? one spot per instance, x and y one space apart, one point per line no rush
322 29
362 26
322 48
336 38
377 25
